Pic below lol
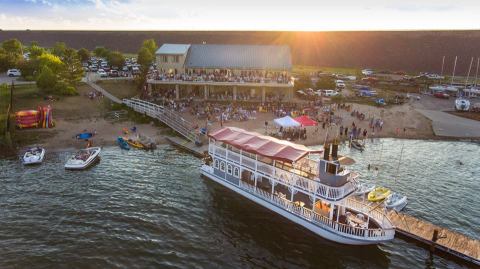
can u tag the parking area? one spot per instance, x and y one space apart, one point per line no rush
4 79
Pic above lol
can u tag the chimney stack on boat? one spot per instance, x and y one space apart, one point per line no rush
335 149
326 151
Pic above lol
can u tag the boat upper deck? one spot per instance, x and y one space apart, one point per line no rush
281 161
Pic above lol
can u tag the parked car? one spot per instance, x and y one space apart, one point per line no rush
340 84
114 73
93 68
102 73
135 70
125 69
367 72
442 95
13 73
330 93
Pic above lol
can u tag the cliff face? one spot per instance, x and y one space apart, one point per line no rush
407 51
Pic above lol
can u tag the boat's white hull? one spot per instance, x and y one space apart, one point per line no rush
397 205
34 159
298 220
83 165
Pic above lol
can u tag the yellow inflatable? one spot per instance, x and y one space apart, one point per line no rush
378 194
134 143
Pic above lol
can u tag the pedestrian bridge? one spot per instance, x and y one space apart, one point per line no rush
168 116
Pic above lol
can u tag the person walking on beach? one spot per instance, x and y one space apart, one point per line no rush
341 130
346 131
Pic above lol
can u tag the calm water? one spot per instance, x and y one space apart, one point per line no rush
153 210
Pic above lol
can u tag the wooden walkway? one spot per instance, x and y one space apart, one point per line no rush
187 145
448 241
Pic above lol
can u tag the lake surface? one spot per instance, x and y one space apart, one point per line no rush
153 210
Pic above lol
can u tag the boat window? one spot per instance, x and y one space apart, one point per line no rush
222 166
216 163
229 169
236 172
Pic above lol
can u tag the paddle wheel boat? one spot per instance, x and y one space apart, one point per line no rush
311 188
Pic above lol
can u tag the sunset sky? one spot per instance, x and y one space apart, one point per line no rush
302 15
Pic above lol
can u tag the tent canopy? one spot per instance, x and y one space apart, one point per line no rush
262 145
286 122
306 121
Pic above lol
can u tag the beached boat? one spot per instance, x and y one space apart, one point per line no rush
357 145
83 159
462 104
378 194
396 201
84 136
297 183
33 155
364 188
122 143
134 143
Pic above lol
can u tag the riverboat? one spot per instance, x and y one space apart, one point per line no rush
312 188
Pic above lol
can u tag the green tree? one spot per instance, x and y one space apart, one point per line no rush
72 70
28 68
35 51
326 82
46 79
150 45
10 54
59 49
13 46
84 54
116 58
53 62
303 82
101 52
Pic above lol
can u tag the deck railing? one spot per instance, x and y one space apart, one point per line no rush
165 115
378 234
289 178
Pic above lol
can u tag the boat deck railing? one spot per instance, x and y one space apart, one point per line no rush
374 235
287 177
171 118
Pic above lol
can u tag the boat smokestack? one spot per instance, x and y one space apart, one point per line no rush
335 149
326 151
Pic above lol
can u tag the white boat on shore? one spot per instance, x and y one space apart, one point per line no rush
33 155
295 182
83 159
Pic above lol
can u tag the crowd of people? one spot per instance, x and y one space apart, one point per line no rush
224 76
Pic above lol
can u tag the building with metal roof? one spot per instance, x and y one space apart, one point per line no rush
241 57
245 72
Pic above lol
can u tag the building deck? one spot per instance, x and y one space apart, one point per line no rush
447 240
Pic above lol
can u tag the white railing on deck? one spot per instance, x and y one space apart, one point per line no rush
287 177
165 115
378 234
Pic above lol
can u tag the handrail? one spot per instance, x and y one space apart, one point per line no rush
366 209
324 222
306 184
165 115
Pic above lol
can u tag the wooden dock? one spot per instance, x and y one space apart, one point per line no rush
187 145
445 240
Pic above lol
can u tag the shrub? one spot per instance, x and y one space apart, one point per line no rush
62 88
46 79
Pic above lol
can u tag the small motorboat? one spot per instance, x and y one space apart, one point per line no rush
462 104
357 145
122 143
147 142
396 201
378 194
83 159
134 143
84 136
364 188
34 155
